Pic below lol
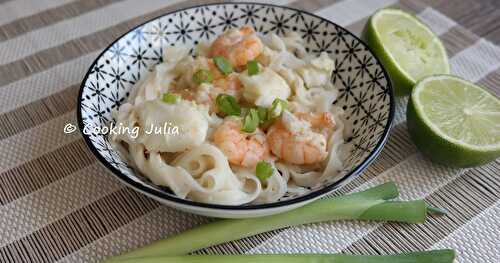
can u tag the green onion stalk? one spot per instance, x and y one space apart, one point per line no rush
371 204
435 256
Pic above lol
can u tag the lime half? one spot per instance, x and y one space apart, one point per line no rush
454 122
407 48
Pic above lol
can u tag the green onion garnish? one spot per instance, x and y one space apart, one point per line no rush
250 121
228 104
203 76
244 111
170 98
263 170
223 64
252 67
277 108
263 114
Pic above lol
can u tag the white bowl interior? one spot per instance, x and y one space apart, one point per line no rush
365 94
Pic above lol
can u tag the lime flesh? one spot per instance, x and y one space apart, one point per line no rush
454 122
408 49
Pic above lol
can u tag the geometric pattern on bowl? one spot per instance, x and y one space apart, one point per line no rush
365 92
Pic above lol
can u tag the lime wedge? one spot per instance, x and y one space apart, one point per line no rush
407 48
454 122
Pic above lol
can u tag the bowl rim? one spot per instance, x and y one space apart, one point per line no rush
159 194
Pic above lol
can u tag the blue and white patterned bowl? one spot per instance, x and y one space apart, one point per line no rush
365 90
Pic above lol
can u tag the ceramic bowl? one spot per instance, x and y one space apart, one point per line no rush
365 91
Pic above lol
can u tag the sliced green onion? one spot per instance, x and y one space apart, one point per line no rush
263 170
244 111
434 256
263 114
277 108
223 65
228 104
250 121
367 205
170 98
252 67
203 76
265 120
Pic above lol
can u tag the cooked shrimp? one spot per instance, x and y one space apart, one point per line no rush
321 122
301 145
240 148
237 45
230 84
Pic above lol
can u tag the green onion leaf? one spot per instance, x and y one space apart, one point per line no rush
228 104
203 76
348 207
252 67
434 256
263 170
223 64
170 98
277 108
250 121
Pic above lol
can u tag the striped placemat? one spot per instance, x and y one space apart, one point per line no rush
57 204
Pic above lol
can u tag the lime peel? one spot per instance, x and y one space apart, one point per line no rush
442 121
